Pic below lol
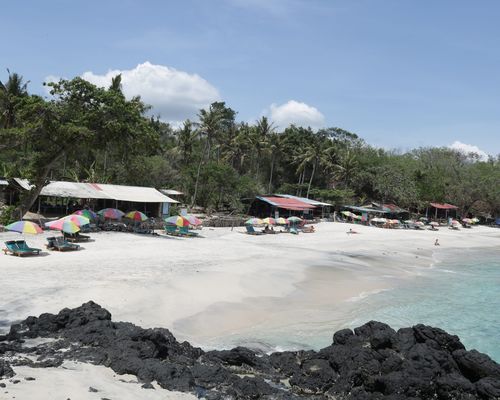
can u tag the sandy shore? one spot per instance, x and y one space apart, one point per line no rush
226 283
224 289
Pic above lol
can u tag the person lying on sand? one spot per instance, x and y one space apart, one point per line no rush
351 231
309 229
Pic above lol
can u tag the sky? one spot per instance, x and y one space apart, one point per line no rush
399 73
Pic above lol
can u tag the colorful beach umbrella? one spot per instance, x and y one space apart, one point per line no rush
24 227
177 220
269 221
355 216
79 220
253 221
91 215
111 213
346 213
294 219
281 221
194 220
467 220
63 225
136 216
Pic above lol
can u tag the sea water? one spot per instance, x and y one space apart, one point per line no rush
460 293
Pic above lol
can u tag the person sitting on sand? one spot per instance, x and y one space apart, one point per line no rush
351 231
436 243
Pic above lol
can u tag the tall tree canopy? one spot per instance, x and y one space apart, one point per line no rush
87 133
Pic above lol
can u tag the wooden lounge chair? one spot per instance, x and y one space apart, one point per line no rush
60 244
76 237
19 248
252 231
171 230
24 247
184 231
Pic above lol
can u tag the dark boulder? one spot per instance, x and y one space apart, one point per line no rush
371 362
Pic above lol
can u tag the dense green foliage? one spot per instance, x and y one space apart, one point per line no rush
86 133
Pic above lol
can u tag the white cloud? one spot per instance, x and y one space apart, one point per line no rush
297 113
468 148
175 95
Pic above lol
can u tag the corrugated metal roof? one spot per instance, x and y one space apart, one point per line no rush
366 209
78 190
286 203
82 190
171 192
444 206
24 183
305 200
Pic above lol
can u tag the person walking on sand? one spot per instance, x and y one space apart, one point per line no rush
436 243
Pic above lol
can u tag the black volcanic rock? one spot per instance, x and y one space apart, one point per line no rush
371 362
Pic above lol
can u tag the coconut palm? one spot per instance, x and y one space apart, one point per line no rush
10 93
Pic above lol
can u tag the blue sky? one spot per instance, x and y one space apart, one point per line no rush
400 73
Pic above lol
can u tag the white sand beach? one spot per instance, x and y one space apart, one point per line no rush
227 288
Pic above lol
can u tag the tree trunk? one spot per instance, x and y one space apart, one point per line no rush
310 180
29 199
271 175
193 200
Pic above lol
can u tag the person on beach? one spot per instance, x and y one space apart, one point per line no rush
351 231
436 243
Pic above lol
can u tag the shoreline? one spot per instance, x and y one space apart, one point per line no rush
223 285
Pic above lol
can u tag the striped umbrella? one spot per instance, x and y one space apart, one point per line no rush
63 225
193 220
89 214
24 227
253 221
79 220
177 220
269 221
111 213
136 216
281 221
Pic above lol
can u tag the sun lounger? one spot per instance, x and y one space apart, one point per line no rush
184 231
171 230
76 237
20 248
60 244
252 231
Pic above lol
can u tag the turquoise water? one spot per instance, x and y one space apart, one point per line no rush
461 295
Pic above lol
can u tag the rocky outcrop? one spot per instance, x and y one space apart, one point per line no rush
372 362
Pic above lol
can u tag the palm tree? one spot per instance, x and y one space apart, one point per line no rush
213 122
313 155
10 93
275 147
186 137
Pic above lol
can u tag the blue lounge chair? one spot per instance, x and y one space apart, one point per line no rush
171 230
59 244
13 247
184 231
252 231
